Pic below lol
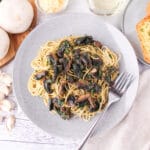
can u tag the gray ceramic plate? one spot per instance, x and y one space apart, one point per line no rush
135 11
65 25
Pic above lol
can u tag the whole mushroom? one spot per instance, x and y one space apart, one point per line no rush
4 43
15 15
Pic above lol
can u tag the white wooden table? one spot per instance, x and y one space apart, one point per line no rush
26 135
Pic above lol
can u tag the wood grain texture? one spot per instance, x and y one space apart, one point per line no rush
25 131
16 39
29 146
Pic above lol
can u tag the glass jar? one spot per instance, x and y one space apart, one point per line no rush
51 6
107 7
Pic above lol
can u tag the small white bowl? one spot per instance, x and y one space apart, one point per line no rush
47 13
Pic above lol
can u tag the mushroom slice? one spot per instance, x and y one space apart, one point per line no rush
68 66
97 44
96 106
40 75
84 40
63 88
82 84
94 70
91 102
71 99
10 123
83 98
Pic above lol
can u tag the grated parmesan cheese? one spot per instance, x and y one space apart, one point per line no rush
51 6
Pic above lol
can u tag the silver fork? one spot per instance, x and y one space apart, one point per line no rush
119 87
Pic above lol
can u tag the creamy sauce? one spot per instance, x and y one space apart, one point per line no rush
51 6
106 6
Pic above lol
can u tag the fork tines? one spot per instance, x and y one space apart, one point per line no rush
122 83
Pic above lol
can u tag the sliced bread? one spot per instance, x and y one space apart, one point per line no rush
143 31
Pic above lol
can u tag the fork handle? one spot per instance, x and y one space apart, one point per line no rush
91 129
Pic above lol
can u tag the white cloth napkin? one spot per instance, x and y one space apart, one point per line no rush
133 133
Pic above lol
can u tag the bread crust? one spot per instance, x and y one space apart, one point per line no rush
146 52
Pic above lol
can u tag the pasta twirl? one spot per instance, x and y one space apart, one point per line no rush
73 76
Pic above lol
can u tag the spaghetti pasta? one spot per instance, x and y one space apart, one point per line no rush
73 76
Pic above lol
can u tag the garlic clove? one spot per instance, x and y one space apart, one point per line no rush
10 122
6 105
4 89
6 79
2 96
